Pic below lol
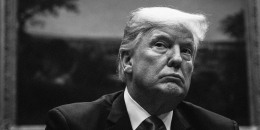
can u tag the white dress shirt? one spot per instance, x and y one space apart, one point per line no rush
137 114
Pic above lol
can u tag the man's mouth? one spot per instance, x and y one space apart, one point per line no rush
172 78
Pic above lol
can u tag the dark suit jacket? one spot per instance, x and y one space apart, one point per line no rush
109 112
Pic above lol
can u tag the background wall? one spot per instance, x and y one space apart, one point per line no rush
102 18
70 57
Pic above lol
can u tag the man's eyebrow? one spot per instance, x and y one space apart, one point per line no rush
168 39
187 42
163 38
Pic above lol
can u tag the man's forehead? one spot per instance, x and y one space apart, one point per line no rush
196 23
171 33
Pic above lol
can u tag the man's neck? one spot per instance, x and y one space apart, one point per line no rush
137 114
154 106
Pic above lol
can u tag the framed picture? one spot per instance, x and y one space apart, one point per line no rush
59 53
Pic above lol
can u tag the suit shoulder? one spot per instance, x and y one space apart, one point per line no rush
200 111
81 115
82 108
206 118
87 109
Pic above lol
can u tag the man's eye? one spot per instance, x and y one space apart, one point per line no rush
186 51
160 45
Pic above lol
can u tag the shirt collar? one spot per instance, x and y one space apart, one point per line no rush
137 114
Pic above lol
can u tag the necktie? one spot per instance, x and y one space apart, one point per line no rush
151 123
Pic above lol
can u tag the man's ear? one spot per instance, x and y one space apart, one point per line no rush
127 61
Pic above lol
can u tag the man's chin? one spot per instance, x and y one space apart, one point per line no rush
174 90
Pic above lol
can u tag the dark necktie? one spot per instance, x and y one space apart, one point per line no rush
151 123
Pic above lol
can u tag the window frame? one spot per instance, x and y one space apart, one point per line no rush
8 40
8 58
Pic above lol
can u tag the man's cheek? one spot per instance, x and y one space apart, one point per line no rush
188 69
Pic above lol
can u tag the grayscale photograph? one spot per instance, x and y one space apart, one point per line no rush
129 65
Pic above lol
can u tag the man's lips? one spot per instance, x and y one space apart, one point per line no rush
172 78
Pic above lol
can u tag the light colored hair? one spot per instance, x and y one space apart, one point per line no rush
144 19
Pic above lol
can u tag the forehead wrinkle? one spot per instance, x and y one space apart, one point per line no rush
171 34
196 23
159 34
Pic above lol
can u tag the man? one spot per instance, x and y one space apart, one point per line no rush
156 60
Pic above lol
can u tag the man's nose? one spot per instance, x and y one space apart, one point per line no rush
175 58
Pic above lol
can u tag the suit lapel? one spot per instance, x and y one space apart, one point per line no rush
118 118
179 122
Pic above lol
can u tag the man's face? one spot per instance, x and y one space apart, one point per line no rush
163 62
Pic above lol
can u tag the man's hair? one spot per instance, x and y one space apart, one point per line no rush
143 20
